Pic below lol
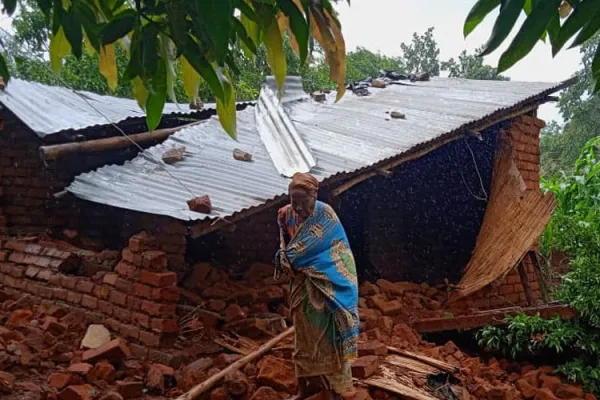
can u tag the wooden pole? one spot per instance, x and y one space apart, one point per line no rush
56 151
539 275
525 282
197 390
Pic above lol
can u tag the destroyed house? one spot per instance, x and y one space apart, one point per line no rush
437 184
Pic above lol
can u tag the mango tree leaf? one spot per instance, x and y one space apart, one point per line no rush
108 65
4 72
531 30
206 71
248 44
553 27
596 62
140 92
59 49
157 97
45 6
191 79
587 31
478 13
253 33
73 32
275 53
509 13
226 108
217 20
119 26
298 25
578 18
171 76
340 59
87 17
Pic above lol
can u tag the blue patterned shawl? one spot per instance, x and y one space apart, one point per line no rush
320 250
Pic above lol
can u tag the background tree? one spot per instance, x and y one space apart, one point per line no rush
422 54
470 66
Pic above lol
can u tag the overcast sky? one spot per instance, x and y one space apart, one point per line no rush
384 24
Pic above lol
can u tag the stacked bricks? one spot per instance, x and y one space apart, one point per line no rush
141 294
525 136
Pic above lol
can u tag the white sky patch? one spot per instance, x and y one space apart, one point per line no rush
381 25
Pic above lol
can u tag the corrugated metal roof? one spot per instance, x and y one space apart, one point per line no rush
287 149
51 109
345 137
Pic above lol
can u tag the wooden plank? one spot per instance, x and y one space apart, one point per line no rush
539 275
426 360
525 282
398 388
491 317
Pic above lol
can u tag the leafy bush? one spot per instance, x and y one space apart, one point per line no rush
574 230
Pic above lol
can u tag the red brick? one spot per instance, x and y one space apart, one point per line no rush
130 331
507 289
113 324
167 294
117 297
114 351
59 381
142 242
133 303
60 294
373 348
158 279
165 325
364 367
110 279
17 258
132 258
279 374
122 314
89 302
127 270
105 307
74 297
158 309
140 319
130 389
45 275
150 339
15 245
45 291
31 272
3 256
154 261
85 286
69 282
16 271
101 292
123 285
143 291
78 392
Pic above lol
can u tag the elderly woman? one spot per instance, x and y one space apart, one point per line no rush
323 298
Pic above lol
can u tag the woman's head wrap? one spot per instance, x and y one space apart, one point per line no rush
306 182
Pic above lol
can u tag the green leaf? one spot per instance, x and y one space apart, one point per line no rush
298 25
206 71
73 32
246 10
596 62
134 67
4 72
248 45
59 48
531 30
226 108
157 96
578 18
509 13
149 49
171 76
275 54
217 21
45 6
588 30
553 27
108 65
86 16
140 92
478 13
9 6
118 27
191 79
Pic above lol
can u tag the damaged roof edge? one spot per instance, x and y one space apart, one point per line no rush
206 226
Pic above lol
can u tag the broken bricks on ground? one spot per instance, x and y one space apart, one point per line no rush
128 334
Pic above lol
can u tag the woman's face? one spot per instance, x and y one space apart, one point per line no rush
302 203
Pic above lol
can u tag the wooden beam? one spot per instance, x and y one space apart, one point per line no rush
201 388
426 360
56 151
490 317
539 275
525 282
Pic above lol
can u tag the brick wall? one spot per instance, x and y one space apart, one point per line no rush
137 301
